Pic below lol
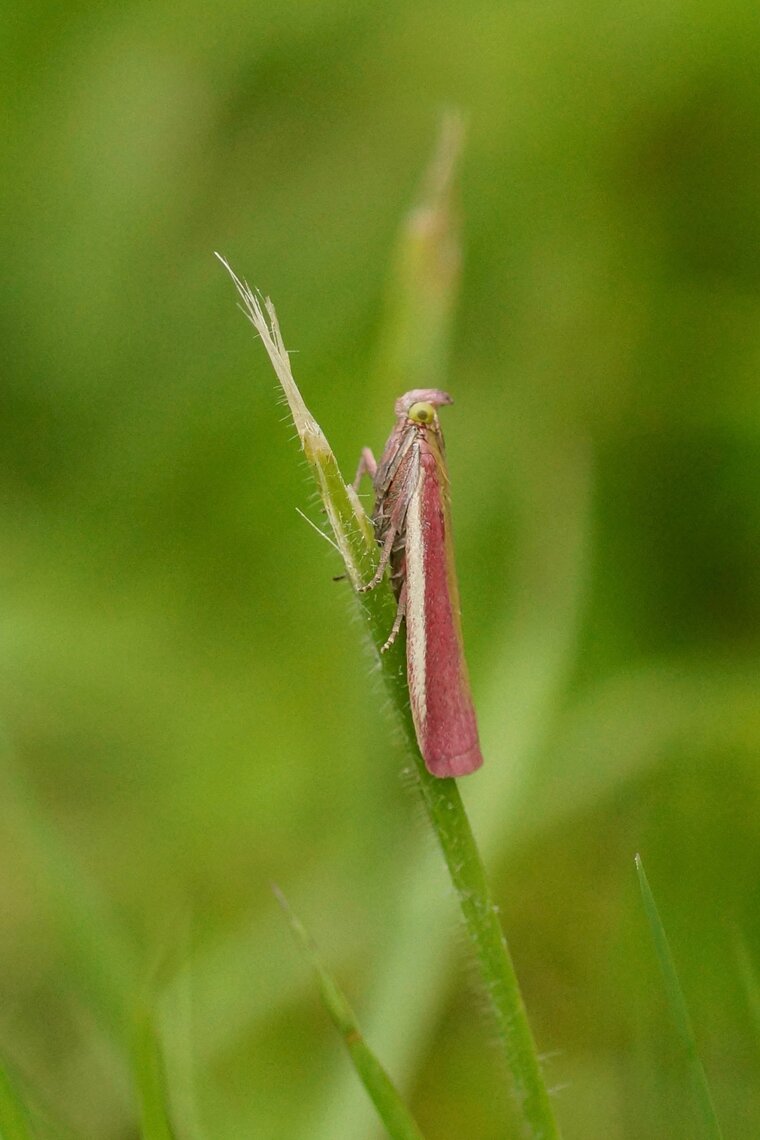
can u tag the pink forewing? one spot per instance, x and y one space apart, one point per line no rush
438 684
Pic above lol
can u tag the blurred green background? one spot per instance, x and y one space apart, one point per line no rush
188 703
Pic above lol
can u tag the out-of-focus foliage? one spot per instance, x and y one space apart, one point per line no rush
187 705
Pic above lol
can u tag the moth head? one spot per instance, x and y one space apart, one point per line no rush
420 405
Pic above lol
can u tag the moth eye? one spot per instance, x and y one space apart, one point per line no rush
421 413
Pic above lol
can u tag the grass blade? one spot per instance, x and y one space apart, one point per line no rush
391 1109
678 1009
426 269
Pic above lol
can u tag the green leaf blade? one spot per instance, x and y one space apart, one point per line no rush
391 1109
678 1009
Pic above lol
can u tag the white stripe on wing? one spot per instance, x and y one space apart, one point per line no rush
416 630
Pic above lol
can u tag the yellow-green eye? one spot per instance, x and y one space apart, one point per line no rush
421 413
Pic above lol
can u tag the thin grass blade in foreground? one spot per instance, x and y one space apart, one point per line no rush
14 1119
353 535
394 1114
678 1009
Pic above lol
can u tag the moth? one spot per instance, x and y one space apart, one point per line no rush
412 521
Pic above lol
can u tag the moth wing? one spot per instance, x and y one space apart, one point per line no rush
438 683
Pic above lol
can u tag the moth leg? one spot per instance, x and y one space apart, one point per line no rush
400 615
367 466
385 557
395 525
